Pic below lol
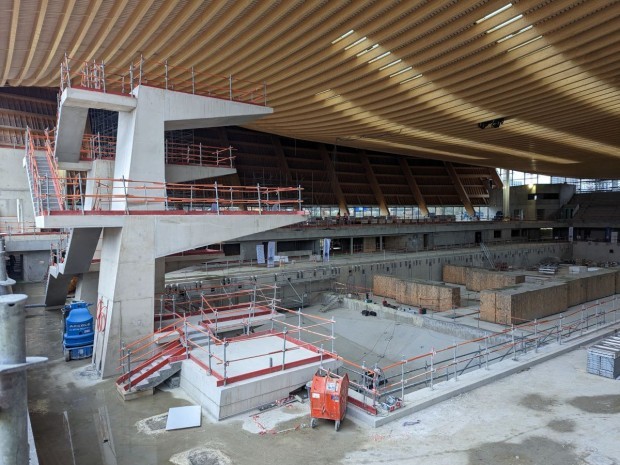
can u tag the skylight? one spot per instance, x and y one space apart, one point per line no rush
510 36
367 50
411 78
346 34
358 41
383 55
390 64
505 23
524 43
404 70
496 12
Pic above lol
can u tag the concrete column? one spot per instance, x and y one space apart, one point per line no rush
380 242
14 448
87 287
506 194
126 290
160 274
351 246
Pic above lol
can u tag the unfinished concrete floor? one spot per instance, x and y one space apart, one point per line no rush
553 414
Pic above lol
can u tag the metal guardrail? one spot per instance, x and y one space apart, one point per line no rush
98 76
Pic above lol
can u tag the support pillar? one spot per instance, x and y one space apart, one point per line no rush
160 275
506 194
126 291
351 246
87 286
14 449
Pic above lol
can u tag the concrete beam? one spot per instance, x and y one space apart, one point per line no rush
374 185
333 177
413 186
81 98
459 188
184 173
190 111
277 145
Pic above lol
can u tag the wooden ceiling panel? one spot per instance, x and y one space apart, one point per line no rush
408 78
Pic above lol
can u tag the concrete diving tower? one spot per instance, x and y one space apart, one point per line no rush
143 215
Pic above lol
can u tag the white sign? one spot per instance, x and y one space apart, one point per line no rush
570 234
326 245
271 253
260 254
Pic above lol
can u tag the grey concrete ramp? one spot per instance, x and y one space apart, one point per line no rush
80 251
69 133
56 290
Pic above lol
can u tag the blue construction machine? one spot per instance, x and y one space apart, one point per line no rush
78 331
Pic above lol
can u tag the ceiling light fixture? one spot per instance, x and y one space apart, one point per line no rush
383 55
510 36
404 70
524 43
504 24
358 41
496 12
322 92
411 78
390 64
346 34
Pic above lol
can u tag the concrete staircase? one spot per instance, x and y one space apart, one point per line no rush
143 378
77 260
330 301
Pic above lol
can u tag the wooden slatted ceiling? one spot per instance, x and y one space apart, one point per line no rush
411 78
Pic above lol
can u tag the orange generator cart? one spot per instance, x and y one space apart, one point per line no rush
328 397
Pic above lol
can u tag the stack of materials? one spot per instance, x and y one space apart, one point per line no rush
604 358
421 293
478 279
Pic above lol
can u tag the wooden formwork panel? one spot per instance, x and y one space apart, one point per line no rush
420 293
595 285
454 274
479 280
488 306
525 303
600 285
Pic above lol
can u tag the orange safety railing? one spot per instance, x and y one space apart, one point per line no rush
97 76
45 188
110 194
98 147
198 155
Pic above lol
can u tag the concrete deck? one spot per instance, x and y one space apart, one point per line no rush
254 375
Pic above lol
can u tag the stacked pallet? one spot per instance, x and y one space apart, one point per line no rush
527 302
478 279
604 358
420 293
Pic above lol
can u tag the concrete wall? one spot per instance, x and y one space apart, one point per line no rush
14 186
596 251
35 266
